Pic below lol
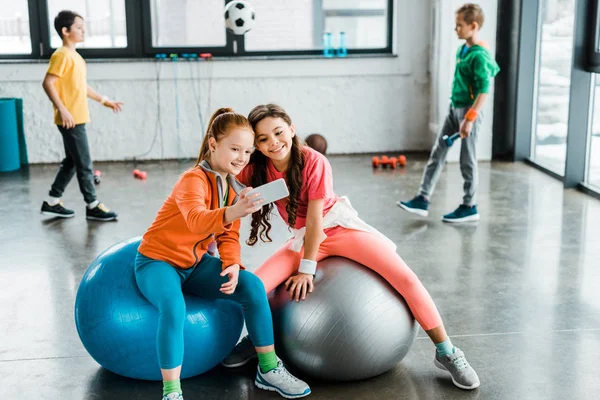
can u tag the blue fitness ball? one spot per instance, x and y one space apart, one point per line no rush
117 325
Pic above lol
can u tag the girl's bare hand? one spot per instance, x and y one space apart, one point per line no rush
299 286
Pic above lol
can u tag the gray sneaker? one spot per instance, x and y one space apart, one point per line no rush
463 375
243 352
281 381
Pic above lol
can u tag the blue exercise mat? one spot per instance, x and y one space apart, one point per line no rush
10 159
20 129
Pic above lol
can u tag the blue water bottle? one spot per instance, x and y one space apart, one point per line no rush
327 45
342 50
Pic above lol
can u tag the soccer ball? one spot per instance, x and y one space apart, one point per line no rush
239 17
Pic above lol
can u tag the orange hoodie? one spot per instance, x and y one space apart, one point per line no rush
191 217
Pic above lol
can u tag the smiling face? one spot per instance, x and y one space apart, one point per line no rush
464 30
76 33
274 139
232 153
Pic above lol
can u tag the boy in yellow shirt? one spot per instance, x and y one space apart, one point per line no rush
66 85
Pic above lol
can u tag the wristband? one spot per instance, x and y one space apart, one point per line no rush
471 115
307 267
103 100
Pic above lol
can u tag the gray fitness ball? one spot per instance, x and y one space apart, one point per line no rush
353 326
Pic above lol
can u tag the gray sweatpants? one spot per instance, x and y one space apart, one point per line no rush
468 156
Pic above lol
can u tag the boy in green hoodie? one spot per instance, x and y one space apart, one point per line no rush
475 67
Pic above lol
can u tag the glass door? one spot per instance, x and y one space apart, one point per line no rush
553 65
593 163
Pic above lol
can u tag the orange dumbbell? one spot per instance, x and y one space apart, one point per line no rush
139 174
375 162
402 160
384 161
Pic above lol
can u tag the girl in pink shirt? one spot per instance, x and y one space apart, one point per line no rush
326 225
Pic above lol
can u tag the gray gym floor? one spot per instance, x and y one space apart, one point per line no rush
519 291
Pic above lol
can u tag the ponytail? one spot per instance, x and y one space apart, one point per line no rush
219 125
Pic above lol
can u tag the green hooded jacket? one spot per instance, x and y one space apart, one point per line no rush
472 75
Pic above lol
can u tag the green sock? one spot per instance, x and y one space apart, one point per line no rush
267 361
171 386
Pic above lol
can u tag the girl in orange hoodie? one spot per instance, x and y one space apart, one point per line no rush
206 204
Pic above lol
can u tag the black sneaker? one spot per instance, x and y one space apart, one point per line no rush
56 210
243 352
100 213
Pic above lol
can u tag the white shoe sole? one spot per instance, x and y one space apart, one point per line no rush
239 364
441 366
101 219
274 389
470 218
422 213
50 213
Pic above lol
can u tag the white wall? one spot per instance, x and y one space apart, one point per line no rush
360 105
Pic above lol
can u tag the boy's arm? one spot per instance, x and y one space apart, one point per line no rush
484 69
467 123
104 100
48 84
479 101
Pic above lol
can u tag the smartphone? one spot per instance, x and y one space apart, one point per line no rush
271 191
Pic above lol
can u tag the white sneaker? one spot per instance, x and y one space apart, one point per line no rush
173 396
281 381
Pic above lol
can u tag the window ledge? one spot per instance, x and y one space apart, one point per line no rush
91 60
359 65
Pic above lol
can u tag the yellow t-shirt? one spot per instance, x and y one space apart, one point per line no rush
71 84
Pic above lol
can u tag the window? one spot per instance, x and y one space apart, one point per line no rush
181 23
363 21
105 23
149 28
554 80
299 25
284 25
593 175
14 27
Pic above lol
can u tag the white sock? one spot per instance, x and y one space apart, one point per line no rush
53 200
93 204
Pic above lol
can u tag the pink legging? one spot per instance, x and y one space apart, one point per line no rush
369 250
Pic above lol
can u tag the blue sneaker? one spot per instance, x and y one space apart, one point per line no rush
462 214
418 205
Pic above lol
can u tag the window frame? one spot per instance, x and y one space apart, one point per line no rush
593 35
576 172
348 12
34 34
132 22
151 50
139 37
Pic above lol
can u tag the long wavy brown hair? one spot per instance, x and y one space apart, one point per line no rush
220 123
293 176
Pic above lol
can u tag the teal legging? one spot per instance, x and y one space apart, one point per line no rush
163 285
